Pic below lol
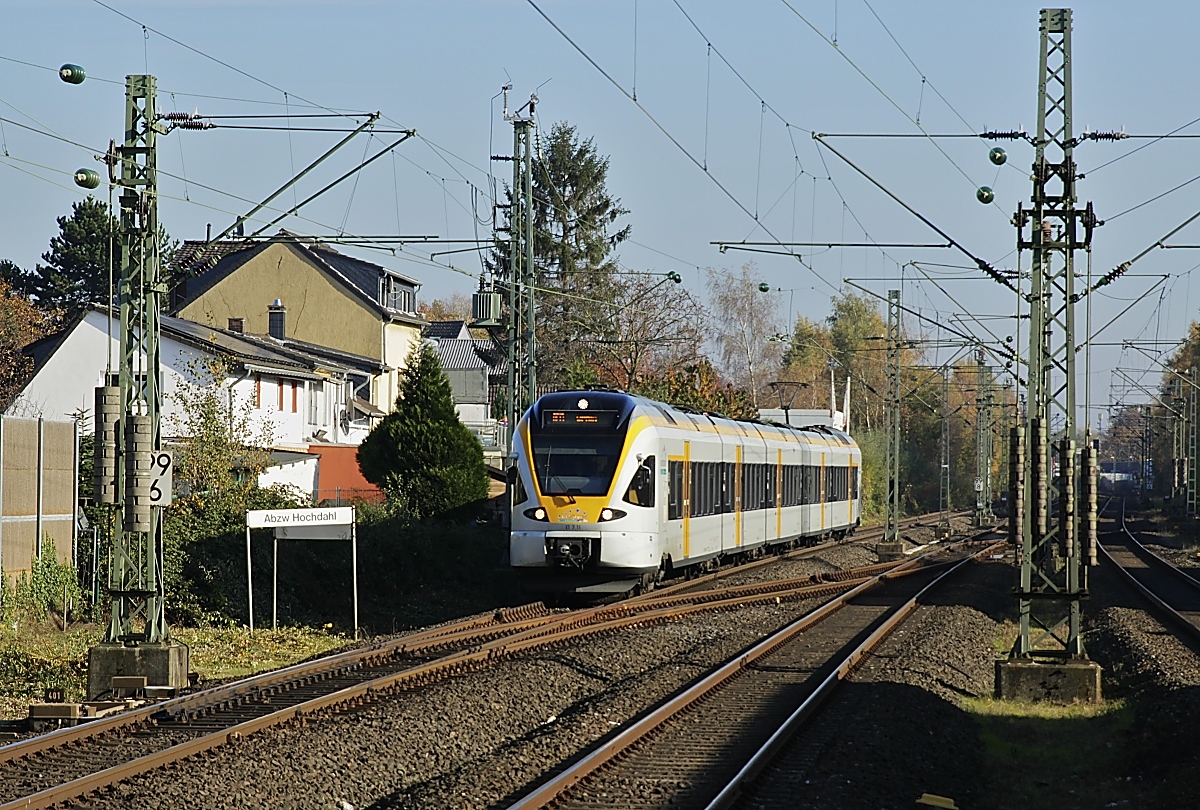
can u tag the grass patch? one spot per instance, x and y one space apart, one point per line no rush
33 659
231 653
1070 756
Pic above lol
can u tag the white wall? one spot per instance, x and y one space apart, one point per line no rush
66 384
302 475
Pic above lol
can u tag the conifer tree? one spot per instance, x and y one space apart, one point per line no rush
421 454
75 273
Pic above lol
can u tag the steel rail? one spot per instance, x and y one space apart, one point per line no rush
547 792
538 633
787 730
868 534
253 685
1144 554
505 633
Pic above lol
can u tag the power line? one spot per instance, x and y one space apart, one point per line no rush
666 133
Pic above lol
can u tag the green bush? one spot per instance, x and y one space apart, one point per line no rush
49 586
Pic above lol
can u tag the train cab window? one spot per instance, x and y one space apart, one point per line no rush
641 488
518 485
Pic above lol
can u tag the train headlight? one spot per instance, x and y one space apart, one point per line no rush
607 514
537 513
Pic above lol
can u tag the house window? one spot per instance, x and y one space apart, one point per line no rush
295 395
257 390
281 396
237 325
314 402
397 294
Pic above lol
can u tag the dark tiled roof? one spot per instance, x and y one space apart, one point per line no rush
446 330
194 257
230 343
363 275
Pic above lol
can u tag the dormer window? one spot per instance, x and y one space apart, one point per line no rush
397 294
237 325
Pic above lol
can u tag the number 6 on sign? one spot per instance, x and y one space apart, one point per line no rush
161 476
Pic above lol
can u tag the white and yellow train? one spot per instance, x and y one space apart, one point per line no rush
615 491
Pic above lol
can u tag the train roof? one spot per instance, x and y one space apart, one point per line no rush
626 404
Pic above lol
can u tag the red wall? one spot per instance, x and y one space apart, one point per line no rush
339 475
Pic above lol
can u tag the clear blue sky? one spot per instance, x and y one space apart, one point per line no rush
438 66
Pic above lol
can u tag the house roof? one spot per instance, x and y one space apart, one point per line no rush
213 263
470 353
447 330
195 256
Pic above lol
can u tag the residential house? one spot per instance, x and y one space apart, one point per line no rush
312 293
303 398
477 370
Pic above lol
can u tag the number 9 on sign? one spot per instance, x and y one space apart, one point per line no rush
161 475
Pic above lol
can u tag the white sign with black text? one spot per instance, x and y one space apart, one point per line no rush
280 518
162 474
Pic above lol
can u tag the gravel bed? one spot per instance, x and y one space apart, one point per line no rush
883 740
477 740
468 742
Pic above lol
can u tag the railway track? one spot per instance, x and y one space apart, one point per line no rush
53 768
1172 591
704 746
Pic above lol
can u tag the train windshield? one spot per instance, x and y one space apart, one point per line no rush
574 463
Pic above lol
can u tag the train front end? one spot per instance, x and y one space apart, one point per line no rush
583 515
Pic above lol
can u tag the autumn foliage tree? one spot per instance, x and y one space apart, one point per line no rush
21 323
699 386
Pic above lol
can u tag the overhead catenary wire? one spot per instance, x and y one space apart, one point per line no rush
687 153
983 265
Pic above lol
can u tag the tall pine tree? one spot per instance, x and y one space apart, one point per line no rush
75 273
576 233
421 454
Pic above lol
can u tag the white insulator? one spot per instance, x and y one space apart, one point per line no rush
139 462
104 471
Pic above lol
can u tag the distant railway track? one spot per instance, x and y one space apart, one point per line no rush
706 745
71 762
1173 592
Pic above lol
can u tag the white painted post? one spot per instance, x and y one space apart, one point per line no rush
275 587
249 581
354 562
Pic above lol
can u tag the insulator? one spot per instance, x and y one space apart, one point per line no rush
72 74
104 471
1088 482
194 123
139 463
985 195
1066 498
86 178
997 156
1040 484
179 116
1016 484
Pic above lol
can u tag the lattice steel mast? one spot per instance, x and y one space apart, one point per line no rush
128 414
1053 576
891 546
983 442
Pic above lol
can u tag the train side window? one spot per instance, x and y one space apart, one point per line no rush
641 488
674 490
